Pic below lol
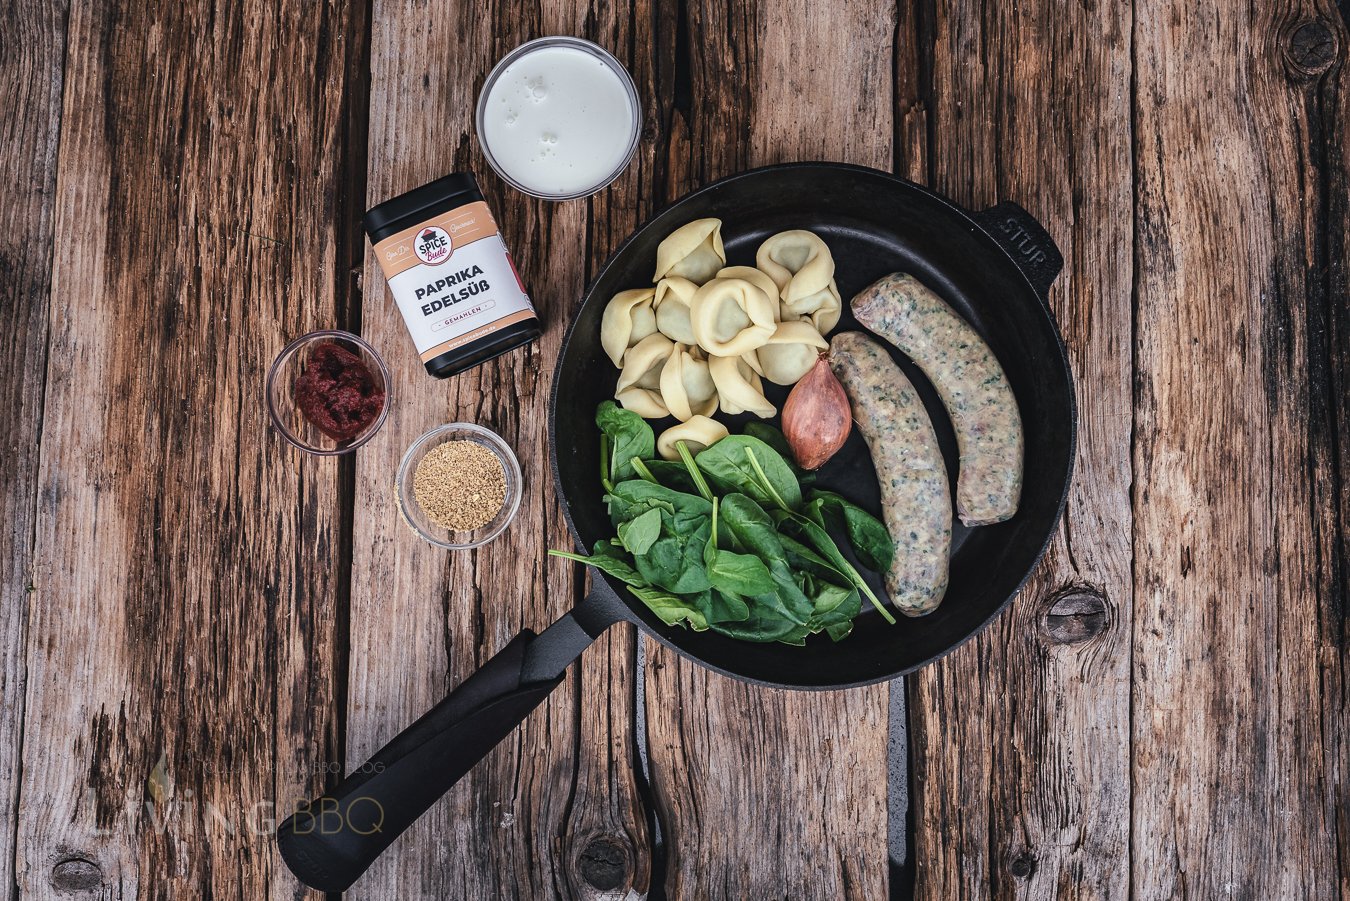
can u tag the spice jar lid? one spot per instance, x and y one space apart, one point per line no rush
397 213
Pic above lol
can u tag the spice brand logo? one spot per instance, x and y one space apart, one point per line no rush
432 245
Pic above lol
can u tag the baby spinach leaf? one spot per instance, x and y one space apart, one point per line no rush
742 574
753 529
637 492
629 436
818 538
803 559
762 623
610 548
828 598
672 475
780 615
625 506
794 603
813 512
607 563
835 608
672 610
774 439
839 631
675 563
725 608
870 540
771 436
638 533
740 463
733 572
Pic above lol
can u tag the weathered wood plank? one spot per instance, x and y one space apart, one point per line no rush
1240 647
1020 739
1309 54
554 811
791 800
186 560
607 851
32 54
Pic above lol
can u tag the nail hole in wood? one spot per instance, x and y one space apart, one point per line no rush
605 863
77 874
1073 615
1310 49
1023 866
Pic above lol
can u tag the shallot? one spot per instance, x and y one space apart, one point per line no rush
816 416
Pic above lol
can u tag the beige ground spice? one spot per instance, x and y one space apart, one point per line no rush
460 485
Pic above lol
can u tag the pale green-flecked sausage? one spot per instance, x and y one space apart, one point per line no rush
970 382
915 498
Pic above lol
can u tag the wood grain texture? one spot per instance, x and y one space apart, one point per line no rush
32 56
1163 713
186 560
1239 643
554 811
768 793
1020 739
608 847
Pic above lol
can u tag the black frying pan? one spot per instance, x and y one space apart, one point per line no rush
994 266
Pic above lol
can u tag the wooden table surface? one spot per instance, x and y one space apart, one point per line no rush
200 626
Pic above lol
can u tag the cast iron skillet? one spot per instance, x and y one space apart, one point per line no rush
994 266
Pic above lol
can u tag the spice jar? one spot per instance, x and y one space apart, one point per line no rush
451 275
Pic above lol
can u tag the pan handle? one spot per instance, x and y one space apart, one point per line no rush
331 840
1026 241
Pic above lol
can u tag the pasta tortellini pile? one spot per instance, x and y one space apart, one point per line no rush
706 335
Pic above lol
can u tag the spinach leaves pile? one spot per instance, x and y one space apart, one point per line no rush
730 540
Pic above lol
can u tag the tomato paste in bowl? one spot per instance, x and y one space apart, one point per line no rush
328 392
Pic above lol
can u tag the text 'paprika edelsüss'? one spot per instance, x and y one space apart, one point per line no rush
451 274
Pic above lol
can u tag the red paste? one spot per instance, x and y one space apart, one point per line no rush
337 393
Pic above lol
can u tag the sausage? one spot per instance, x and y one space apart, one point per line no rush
915 497
970 382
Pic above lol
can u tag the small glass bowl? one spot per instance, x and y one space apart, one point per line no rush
416 517
286 414
634 105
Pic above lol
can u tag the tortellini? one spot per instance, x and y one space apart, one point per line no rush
731 317
756 277
790 353
822 308
686 386
798 262
642 365
693 251
698 433
628 318
645 402
739 389
639 387
803 268
672 308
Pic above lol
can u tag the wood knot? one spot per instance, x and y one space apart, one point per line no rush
1310 48
1073 615
1023 866
605 863
77 874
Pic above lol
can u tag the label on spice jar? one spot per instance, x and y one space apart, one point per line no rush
453 279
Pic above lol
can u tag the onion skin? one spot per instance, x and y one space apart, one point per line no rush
816 417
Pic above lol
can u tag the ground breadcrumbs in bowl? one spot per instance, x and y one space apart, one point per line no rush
460 485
